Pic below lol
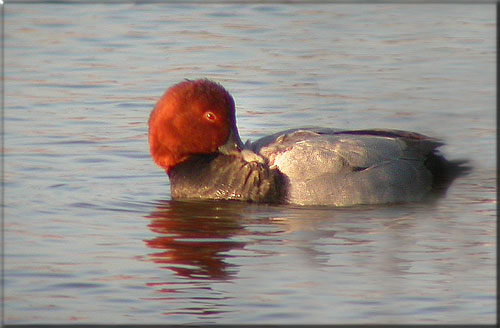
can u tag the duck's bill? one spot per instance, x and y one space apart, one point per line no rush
233 144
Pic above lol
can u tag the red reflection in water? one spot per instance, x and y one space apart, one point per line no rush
193 237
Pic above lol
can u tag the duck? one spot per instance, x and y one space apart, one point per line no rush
193 137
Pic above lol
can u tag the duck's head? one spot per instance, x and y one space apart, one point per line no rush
192 117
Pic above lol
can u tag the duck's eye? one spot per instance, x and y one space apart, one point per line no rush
210 116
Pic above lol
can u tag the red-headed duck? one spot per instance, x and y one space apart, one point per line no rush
193 137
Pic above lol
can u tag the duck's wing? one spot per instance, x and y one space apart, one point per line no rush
336 167
333 150
290 134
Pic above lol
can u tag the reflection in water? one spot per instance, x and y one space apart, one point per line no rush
192 237
225 255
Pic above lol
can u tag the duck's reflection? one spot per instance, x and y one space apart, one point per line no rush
192 238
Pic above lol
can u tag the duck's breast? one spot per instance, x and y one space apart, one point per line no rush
329 167
219 176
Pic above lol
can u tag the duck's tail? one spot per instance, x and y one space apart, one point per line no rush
445 171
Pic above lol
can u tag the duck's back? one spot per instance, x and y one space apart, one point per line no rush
335 167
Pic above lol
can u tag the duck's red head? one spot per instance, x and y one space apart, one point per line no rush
192 117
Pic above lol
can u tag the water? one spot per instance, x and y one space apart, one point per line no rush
91 235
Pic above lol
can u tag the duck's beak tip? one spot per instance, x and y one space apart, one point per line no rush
233 144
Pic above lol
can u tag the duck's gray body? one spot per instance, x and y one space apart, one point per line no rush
317 166
335 167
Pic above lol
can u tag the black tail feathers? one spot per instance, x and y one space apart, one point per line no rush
445 171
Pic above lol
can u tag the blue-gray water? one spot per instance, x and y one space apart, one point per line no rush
91 235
